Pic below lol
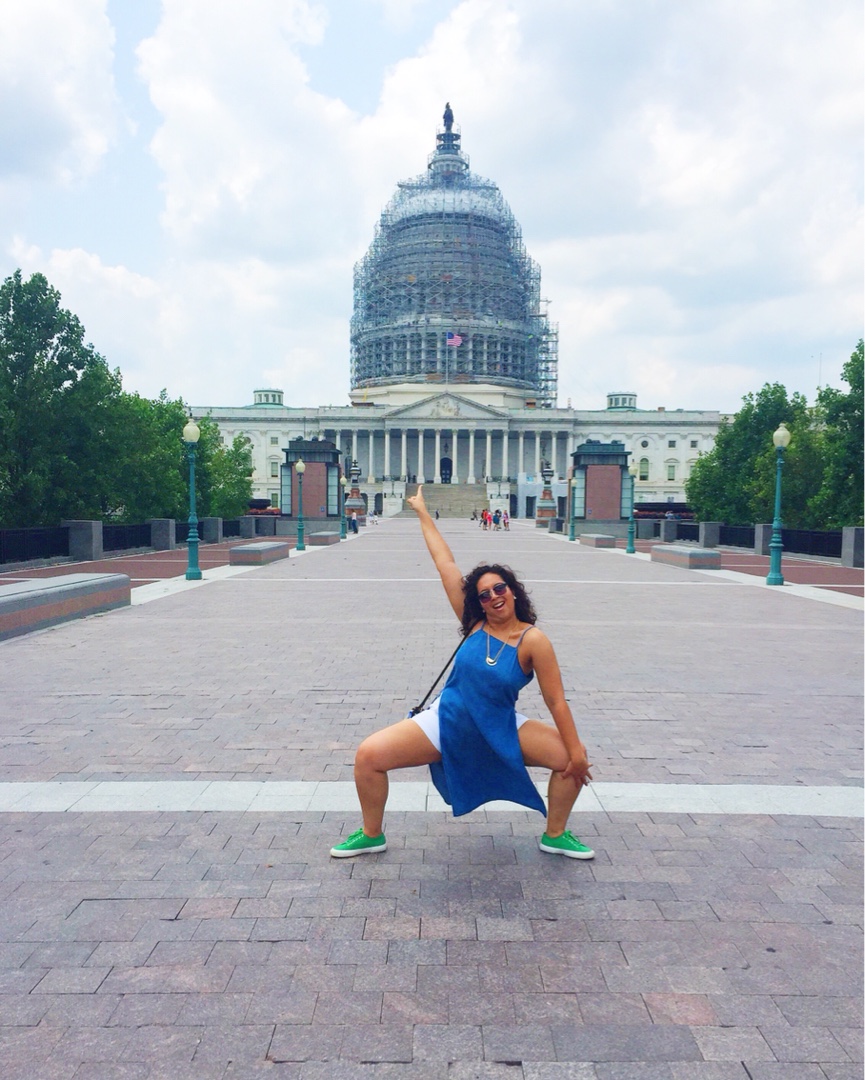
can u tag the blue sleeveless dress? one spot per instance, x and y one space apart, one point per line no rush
481 756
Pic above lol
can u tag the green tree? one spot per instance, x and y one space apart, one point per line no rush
223 473
734 482
73 444
42 358
839 499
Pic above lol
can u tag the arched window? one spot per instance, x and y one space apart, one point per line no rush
644 468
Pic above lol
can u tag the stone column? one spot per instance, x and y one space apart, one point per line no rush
403 457
521 453
162 536
437 467
505 454
386 470
471 478
554 438
851 545
710 533
537 455
354 444
420 477
762 536
210 530
370 479
455 479
488 467
85 540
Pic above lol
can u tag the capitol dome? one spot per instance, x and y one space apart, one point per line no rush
446 293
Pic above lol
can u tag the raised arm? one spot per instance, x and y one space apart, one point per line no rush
441 554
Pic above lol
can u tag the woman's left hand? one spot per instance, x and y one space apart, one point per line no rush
578 768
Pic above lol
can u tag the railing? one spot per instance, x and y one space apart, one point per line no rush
181 531
22 545
686 530
229 528
736 536
124 537
810 542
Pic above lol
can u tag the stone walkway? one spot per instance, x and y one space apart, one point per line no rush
173 774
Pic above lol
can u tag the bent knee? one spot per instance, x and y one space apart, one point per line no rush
367 755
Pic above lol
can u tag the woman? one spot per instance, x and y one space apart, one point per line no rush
476 744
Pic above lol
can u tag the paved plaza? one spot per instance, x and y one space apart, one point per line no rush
173 774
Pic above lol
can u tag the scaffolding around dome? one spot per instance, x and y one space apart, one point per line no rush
447 294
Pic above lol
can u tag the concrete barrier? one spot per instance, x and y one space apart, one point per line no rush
689 558
597 540
266 551
40 602
323 539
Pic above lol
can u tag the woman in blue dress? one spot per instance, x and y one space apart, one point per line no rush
476 744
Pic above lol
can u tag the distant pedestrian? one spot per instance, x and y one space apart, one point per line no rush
506 521
437 515
353 521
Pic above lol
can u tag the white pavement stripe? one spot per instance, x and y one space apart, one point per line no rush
275 796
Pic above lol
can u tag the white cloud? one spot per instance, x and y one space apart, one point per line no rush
60 111
689 178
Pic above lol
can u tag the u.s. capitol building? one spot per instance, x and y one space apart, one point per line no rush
454 366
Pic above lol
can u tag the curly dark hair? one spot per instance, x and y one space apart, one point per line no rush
473 611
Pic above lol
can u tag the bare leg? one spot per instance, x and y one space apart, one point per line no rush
399 746
542 746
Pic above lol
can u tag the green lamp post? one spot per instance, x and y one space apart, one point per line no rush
191 435
572 527
781 439
630 549
343 532
300 469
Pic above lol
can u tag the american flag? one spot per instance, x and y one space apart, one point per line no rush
454 339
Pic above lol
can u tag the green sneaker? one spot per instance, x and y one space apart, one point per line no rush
359 844
566 844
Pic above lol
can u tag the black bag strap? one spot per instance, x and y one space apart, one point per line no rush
419 708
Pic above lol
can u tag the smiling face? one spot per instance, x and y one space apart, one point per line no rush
500 605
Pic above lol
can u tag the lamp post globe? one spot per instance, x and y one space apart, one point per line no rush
630 548
343 532
781 438
300 469
191 435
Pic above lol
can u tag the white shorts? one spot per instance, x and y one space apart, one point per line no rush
428 722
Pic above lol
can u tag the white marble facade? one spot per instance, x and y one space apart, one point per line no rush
483 441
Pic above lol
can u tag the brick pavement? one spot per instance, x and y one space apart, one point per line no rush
221 944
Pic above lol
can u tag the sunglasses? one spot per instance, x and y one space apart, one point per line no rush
499 589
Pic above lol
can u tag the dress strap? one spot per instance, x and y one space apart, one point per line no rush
522 635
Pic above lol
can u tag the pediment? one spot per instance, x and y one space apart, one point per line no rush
445 407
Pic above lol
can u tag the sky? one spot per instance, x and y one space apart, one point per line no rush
198 178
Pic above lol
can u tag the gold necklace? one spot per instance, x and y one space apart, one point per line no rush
493 660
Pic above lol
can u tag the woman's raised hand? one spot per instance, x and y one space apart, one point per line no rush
416 501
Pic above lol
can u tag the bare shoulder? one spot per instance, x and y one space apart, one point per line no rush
534 646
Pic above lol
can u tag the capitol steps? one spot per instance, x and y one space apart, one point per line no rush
451 500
